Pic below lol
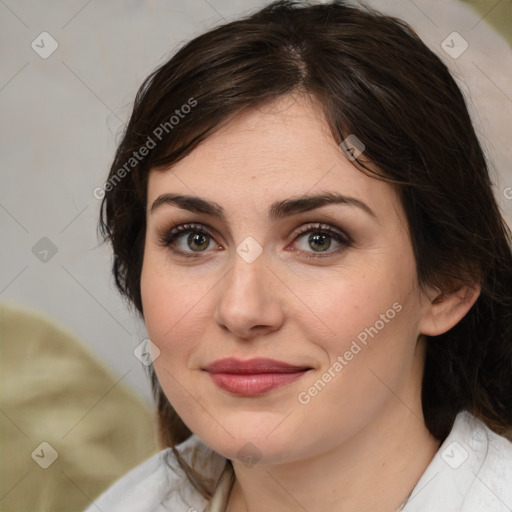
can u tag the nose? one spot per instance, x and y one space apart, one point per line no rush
248 303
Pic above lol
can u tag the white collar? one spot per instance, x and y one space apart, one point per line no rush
468 473
219 500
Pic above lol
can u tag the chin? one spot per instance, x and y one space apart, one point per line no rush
248 437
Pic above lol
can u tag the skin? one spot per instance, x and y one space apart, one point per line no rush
359 444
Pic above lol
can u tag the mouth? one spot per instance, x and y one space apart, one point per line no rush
253 377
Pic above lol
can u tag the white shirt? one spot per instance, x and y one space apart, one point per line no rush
471 472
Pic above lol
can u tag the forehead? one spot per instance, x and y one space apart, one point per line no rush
272 152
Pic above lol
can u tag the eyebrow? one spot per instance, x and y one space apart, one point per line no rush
277 210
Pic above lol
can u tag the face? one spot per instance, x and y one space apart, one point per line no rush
282 322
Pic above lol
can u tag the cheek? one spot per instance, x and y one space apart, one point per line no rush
369 346
347 304
172 305
172 308
367 314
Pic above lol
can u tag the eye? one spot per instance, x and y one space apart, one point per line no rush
193 240
187 239
320 239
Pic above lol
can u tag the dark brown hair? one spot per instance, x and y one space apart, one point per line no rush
373 77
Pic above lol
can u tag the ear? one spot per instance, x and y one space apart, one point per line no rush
448 308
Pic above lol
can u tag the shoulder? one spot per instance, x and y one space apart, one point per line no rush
471 472
492 484
159 483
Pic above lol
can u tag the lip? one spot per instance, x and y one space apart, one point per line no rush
253 377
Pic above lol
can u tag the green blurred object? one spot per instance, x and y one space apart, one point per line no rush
497 13
53 391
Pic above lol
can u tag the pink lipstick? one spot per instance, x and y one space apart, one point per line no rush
253 377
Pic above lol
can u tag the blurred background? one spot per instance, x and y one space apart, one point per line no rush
69 72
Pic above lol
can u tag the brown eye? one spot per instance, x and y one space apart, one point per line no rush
198 240
188 240
320 240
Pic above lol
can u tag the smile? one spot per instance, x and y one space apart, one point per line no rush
253 377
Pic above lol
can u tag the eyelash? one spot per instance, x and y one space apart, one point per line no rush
167 237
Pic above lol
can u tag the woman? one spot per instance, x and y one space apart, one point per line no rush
302 214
